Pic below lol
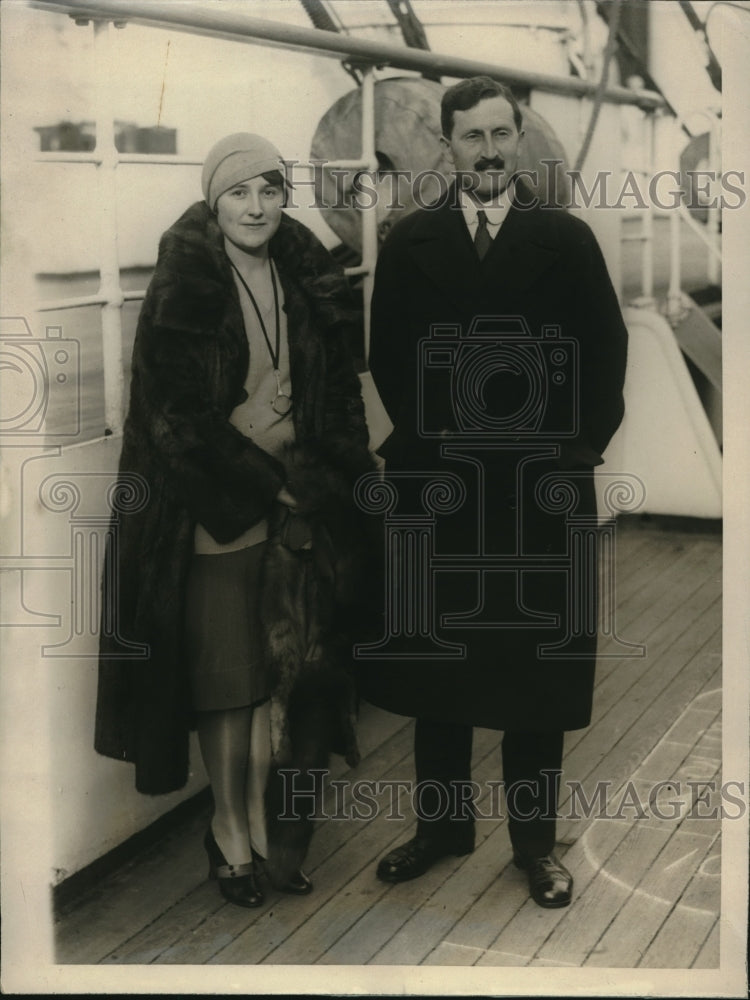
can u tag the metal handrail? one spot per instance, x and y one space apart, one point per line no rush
55 156
218 21
230 24
80 301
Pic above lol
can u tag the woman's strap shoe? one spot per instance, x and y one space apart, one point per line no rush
237 883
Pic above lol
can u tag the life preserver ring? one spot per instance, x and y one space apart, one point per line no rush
407 138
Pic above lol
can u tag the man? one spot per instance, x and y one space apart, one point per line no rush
507 410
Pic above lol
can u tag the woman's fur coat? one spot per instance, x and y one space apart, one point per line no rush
190 361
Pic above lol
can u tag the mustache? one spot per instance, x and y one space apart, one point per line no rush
495 163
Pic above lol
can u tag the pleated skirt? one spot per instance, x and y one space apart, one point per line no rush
223 636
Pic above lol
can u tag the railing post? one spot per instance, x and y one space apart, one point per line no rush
647 259
674 294
713 266
369 215
109 259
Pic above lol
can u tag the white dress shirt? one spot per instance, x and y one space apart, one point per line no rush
495 211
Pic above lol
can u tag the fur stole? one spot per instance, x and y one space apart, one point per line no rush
316 596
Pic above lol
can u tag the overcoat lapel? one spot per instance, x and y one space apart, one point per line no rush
443 250
521 252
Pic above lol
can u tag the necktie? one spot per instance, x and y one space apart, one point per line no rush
482 239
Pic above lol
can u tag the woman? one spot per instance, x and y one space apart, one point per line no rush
243 402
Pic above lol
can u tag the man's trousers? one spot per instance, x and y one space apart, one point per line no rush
532 763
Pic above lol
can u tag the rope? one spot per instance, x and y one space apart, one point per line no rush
609 51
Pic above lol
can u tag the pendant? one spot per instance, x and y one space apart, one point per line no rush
281 404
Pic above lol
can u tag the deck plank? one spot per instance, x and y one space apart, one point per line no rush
646 890
448 953
132 897
654 615
682 561
686 929
364 842
335 935
618 741
428 925
576 935
248 938
629 935
679 940
708 956
178 928
498 906
531 927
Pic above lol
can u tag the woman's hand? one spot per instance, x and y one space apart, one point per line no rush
285 497
295 531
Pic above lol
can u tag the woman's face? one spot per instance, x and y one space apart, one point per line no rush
249 214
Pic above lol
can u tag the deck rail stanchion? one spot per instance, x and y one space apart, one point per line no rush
709 232
369 214
675 307
644 236
231 24
109 257
713 222
647 260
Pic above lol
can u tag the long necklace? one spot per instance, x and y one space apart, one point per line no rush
281 403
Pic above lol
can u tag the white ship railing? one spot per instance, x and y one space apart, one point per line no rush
218 21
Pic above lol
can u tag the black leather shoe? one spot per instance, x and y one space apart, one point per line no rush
418 855
237 883
298 884
550 882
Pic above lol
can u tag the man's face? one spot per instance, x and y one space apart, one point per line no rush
485 141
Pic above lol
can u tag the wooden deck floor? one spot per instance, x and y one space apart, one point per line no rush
647 889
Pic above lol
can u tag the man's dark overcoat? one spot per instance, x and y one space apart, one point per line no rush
190 362
502 411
